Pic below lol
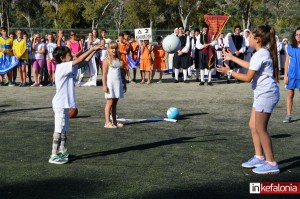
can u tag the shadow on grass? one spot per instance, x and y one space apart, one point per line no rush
25 110
280 136
50 188
294 120
218 190
4 105
295 163
187 116
81 116
146 146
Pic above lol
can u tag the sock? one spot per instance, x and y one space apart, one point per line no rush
202 75
63 142
209 75
184 74
272 163
260 157
197 73
176 73
56 143
189 71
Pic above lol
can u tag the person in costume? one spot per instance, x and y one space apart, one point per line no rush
181 57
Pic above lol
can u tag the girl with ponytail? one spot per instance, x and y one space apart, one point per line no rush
263 73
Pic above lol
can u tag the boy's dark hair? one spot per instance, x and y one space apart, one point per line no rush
294 42
237 26
126 33
4 28
159 38
53 33
197 30
205 25
121 35
60 51
132 35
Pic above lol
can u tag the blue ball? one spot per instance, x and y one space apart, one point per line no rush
173 113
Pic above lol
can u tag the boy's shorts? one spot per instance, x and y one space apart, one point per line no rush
61 120
293 83
22 62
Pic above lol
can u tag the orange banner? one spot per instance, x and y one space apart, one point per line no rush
216 24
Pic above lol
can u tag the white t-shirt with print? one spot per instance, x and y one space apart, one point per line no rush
65 91
50 48
38 47
263 82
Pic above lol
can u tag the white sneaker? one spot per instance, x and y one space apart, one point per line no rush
57 159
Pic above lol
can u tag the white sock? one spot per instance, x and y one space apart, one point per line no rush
260 157
202 75
209 75
184 74
189 71
176 73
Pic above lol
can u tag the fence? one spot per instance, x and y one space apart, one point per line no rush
113 33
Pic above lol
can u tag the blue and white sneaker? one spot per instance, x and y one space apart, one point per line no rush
57 159
253 162
65 154
267 169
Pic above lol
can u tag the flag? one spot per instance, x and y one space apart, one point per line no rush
7 63
216 24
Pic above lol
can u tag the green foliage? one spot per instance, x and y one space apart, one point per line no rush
161 14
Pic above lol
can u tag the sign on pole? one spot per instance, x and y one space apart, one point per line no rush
143 34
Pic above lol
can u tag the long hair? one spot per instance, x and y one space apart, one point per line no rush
112 45
266 34
293 39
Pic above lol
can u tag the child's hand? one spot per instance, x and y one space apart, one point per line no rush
222 69
97 47
227 55
105 89
286 79
124 88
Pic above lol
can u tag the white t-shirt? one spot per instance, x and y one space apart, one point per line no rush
263 82
38 47
50 49
65 91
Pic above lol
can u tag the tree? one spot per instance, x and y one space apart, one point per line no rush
27 11
147 13
185 8
92 8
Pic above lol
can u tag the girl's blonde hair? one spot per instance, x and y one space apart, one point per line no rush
113 45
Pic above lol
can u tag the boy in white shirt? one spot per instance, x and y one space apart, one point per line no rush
65 98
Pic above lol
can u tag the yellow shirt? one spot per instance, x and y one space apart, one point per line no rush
19 47
6 44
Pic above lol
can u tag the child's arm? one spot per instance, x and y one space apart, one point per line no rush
286 68
123 76
243 77
86 56
42 51
104 76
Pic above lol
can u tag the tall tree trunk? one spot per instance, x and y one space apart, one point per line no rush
93 22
